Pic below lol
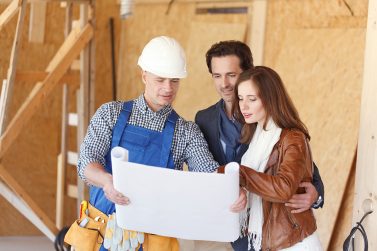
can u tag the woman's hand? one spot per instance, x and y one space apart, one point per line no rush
240 203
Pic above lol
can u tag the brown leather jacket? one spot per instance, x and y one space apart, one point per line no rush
289 164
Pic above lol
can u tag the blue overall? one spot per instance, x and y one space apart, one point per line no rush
144 146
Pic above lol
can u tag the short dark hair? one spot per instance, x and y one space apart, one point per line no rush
231 47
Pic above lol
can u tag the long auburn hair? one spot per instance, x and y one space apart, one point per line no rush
275 99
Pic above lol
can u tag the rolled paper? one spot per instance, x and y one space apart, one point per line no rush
119 153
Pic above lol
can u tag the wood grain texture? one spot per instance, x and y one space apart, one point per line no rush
8 13
39 142
366 166
37 22
323 75
198 91
195 32
58 66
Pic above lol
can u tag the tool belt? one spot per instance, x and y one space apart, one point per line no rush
87 233
154 242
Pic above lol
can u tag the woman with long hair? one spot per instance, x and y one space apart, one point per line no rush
277 161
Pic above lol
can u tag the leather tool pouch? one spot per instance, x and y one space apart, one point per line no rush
160 243
90 235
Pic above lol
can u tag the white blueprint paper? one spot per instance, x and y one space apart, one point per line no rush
187 205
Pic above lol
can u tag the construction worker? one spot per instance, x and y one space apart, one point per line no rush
226 60
148 127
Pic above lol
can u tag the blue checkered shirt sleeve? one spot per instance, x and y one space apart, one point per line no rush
189 145
98 138
195 152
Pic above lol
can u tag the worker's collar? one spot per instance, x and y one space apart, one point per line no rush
144 108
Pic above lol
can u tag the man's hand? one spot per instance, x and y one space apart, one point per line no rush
112 194
240 203
303 202
96 175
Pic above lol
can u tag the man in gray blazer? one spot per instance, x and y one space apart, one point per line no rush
225 61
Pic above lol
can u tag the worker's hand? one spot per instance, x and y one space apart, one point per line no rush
303 202
112 194
240 203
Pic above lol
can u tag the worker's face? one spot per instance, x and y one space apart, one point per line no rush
251 105
225 72
159 91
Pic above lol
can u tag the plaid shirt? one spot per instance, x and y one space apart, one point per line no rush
188 145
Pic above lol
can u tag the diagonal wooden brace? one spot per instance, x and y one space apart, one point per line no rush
9 12
24 197
71 48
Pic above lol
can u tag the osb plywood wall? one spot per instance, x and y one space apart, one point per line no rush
310 46
326 88
318 49
32 159
198 90
316 46
103 77
195 32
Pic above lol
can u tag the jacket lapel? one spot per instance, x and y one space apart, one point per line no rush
216 136
240 153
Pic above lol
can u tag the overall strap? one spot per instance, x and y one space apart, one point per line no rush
168 137
121 123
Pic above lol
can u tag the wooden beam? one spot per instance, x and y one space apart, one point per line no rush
23 195
9 12
72 191
52 1
37 22
25 210
344 216
136 1
62 158
366 165
6 95
71 48
60 185
257 32
73 119
186 1
83 95
75 65
72 77
72 158
228 4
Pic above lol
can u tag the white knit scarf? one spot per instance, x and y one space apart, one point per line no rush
256 157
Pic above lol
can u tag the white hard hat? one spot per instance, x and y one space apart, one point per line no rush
164 57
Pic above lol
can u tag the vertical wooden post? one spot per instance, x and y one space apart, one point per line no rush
92 61
37 21
366 165
258 26
83 95
62 158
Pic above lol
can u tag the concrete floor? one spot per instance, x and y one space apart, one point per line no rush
23 243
